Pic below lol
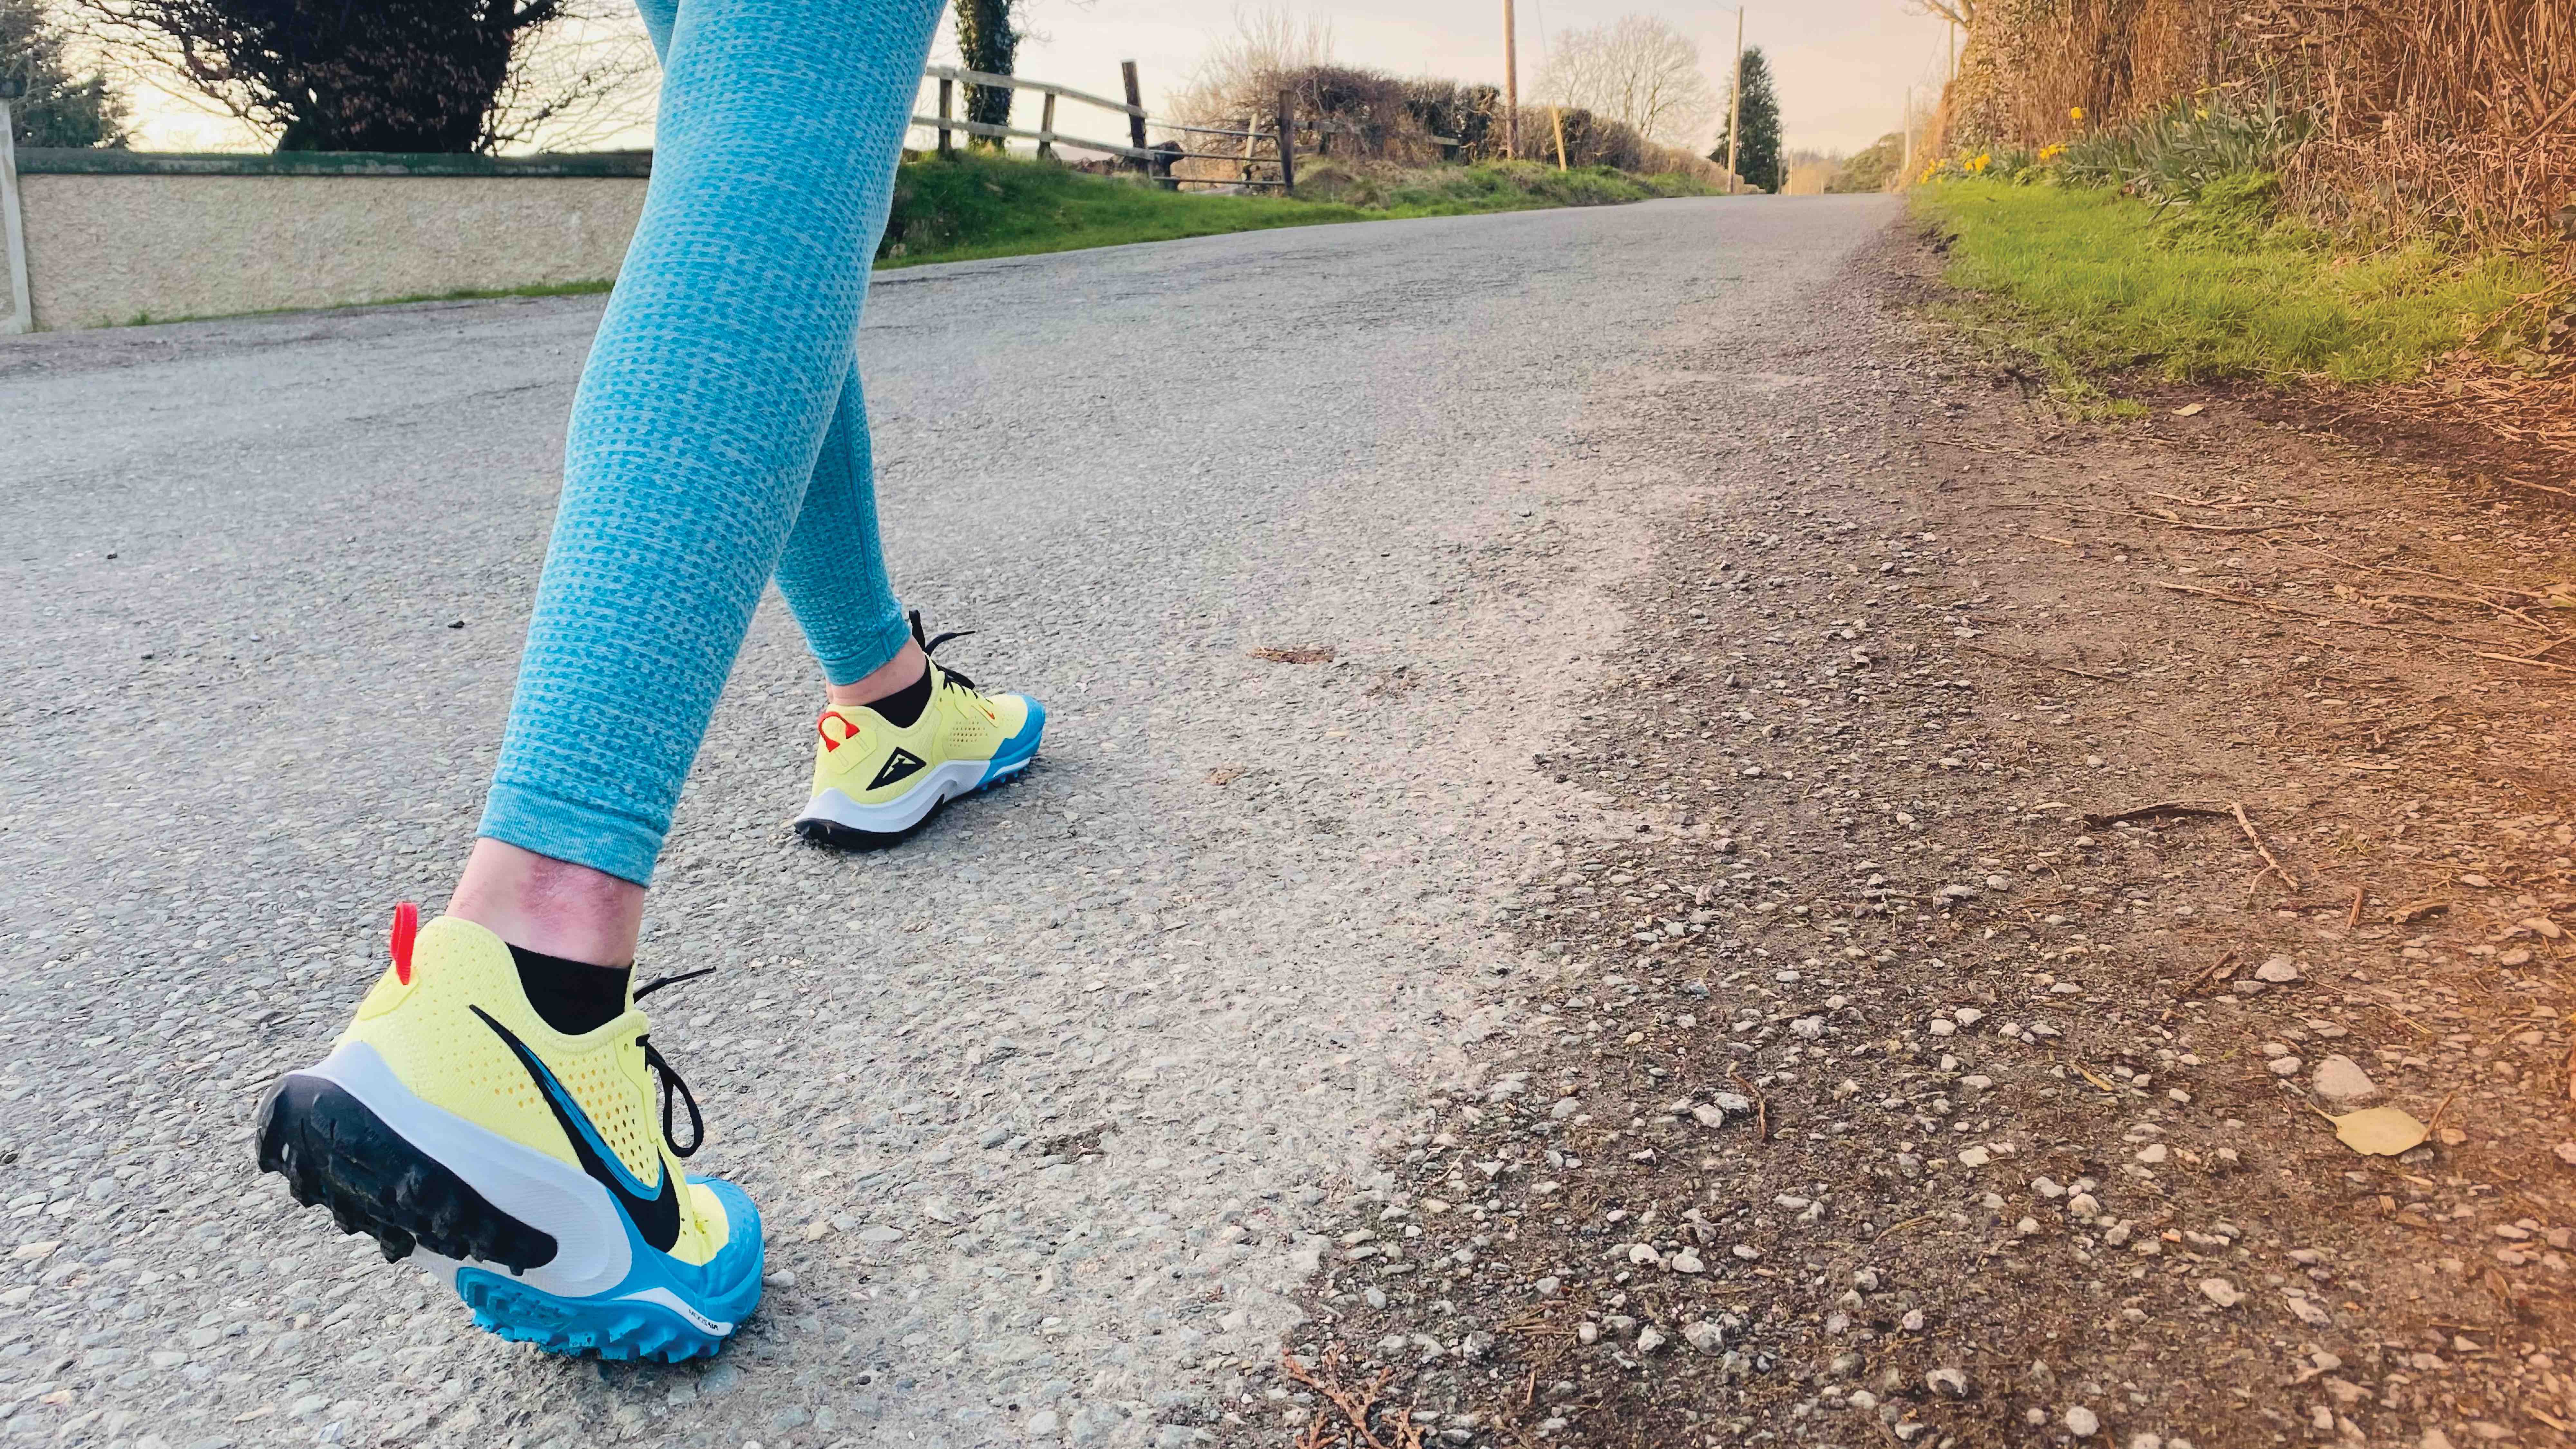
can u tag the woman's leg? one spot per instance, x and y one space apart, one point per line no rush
494 1101
705 408
833 571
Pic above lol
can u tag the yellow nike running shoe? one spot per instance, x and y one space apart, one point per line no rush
876 781
526 1167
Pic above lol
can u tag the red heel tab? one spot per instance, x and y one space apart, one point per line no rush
406 927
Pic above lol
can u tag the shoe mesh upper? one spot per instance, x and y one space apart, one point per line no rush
442 1052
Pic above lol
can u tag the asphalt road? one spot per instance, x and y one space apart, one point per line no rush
1032 1104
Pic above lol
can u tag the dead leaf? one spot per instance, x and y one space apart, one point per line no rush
2548 928
2379 1131
2190 410
1225 774
1295 656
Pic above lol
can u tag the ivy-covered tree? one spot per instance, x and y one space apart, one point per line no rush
57 105
988 41
1757 157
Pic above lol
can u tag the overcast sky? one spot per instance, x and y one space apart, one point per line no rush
1842 65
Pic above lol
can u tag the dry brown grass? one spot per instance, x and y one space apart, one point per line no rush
2443 116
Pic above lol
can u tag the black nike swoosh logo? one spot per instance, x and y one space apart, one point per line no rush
899 764
656 1217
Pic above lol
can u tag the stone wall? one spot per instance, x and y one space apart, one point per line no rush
115 239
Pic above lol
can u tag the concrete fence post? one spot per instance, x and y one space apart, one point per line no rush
13 230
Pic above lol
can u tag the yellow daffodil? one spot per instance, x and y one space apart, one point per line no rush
2075 111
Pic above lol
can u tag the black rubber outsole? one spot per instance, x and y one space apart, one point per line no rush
335 1153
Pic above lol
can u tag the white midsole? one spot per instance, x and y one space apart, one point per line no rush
942 782
546 1193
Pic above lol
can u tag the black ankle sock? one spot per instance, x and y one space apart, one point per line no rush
905 705
573 996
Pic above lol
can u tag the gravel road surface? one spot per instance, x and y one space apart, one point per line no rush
1035 1104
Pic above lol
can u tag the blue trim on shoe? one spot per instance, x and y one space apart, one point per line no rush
665 1309
1019 749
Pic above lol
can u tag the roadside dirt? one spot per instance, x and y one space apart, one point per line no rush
1878 1083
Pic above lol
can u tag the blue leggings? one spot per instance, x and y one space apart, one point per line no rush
718 437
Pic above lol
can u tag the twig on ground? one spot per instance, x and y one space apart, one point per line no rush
2526 662
1355 1405
2436 1119
2268 606
1981 447
2149 812
2354 919
2043 664
2417 573
2538 487
2209 978
2518 616
2223 527
1761 1106
2288 880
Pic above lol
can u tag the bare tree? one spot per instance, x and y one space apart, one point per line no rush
1961 13
1241 74
393 75
1637 70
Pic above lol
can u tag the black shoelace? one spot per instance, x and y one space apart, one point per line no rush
673 1089
931 646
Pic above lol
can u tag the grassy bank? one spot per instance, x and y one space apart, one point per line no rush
2092 281
975 205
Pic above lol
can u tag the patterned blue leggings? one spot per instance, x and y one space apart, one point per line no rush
718 437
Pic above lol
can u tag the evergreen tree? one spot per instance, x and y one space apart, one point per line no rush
1758 159
57 107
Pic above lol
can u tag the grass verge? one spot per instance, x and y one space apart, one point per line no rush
2092 282
972 205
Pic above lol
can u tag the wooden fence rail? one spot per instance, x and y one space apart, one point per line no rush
1155 160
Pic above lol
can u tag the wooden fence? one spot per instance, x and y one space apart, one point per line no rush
1153 160
1282 134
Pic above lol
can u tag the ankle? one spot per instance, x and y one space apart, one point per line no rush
541 904
901 672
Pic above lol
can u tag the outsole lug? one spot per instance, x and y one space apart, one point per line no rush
334 1152
551 1325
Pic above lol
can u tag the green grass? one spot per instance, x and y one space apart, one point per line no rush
2091 282
975 205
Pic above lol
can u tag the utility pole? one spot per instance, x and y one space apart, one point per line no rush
1909 135
1511 86
1735 105
13 230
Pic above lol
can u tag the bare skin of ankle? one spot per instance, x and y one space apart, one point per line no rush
538 903
903 669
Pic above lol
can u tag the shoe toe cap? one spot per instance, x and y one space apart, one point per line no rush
739 1261
1025 729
